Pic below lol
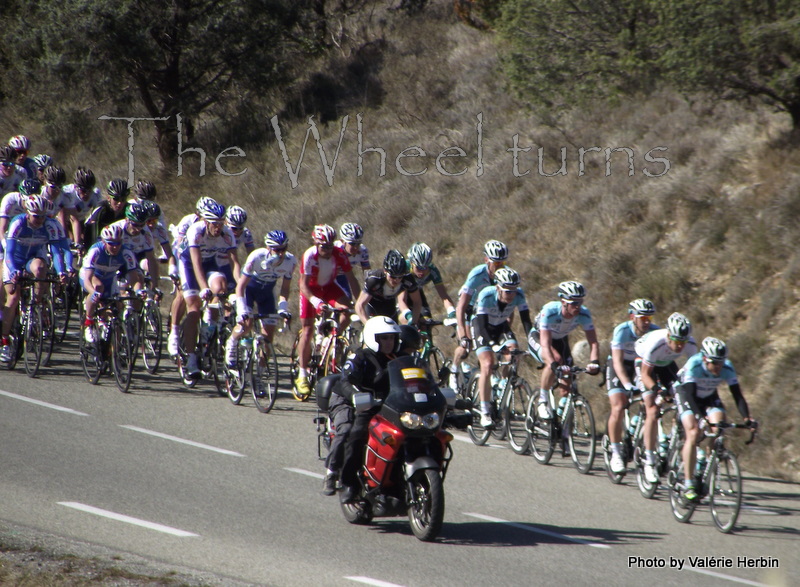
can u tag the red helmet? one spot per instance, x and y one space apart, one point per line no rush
324 234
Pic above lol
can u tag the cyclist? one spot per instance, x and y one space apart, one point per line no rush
236 218
697 391
621 372
351 235
491 324
111 209
53 190
382 289
137 237
548 340
178 237
13 203
206 242
40 163
10 176
160 234
480 276
84 197
262 270
658 371
99 272
21 145
364 372
27 242
420 265
319 290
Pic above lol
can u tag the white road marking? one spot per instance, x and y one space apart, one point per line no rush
182 441
468 440
127 519
41 403
304 472
371 581
536 530
727 577
751 509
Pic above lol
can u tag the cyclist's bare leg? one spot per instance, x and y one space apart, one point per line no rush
89 305
486 361
650 431
693 436
10 310
39 270
343 303
304 344
194 305
178 309
618 401
218 285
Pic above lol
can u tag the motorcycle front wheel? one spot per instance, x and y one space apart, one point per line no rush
426 504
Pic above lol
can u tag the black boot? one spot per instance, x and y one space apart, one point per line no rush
329 484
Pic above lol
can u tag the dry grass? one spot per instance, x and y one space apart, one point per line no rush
713 238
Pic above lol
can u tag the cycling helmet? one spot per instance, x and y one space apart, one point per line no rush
641 307
137 213
202 203
380 325
420 255
409 338
7 154
276 239
35 204
495 250
118 189
571 290
213 212
30 187
323 234
49 207
20 143
112 232
55 176
152 209
145 190
236 216
42 161
395 264
85 179
679 327
506 278
351 233
714 349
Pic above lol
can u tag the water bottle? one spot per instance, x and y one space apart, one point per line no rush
561 403
245 342
663 444
634 423
204 332
701 461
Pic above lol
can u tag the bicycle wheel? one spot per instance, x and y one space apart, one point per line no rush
477 433
33 340
582 435
516 417
648 490
605 446
151 338
682 509
337 355
235 378
541 433
48 330
294 366
62 308
121 356
439 366
215 354
91 360
264 377
725 492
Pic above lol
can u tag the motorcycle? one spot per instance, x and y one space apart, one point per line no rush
408 450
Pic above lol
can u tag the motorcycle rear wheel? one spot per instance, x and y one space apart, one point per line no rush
426 508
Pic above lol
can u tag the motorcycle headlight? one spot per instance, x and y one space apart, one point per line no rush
431 421
411 421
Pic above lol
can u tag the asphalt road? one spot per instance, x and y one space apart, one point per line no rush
185 478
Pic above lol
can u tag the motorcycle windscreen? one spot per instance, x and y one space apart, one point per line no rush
412 387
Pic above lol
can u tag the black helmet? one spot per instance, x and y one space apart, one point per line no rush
7 154
410 339
137 213
85 179
55 176
395 263
30 187
145 190
118 189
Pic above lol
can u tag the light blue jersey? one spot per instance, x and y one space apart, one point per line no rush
488 304
624 338
550 318
477 279
695 371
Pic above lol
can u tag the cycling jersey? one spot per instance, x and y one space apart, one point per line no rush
321 271
61 201
624 338
550 318
654 350
82 207
138 243
25 243
179 230
695 371
433 275
361 258
11 183
266 268
489 305
105 266
12 205
477 279
246 239
211 247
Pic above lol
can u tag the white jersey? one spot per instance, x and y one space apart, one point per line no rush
139 243
654 350
11 183
82 207
62 201
11 205
211 247
179 230
360 259
266 267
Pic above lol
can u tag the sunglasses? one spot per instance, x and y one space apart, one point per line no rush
8 164
138 224
278 250
575 304
677 338
37 216
326 247
113 243
715 361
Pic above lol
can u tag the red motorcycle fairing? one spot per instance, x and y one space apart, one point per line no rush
385 441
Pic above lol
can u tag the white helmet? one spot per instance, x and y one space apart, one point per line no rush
679 326
571 290
641 307
495 250
714 349
380 325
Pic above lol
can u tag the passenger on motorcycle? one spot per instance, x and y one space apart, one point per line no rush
364 372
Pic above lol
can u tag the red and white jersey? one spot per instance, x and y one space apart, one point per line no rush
321 271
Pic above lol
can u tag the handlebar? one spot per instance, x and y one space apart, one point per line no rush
753 427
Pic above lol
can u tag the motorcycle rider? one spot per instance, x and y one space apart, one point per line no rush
365 372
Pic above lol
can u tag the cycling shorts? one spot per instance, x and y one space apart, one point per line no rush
560 345
258 292
665 375
189 284
612 381
698 406
495 334
110 285
330 294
